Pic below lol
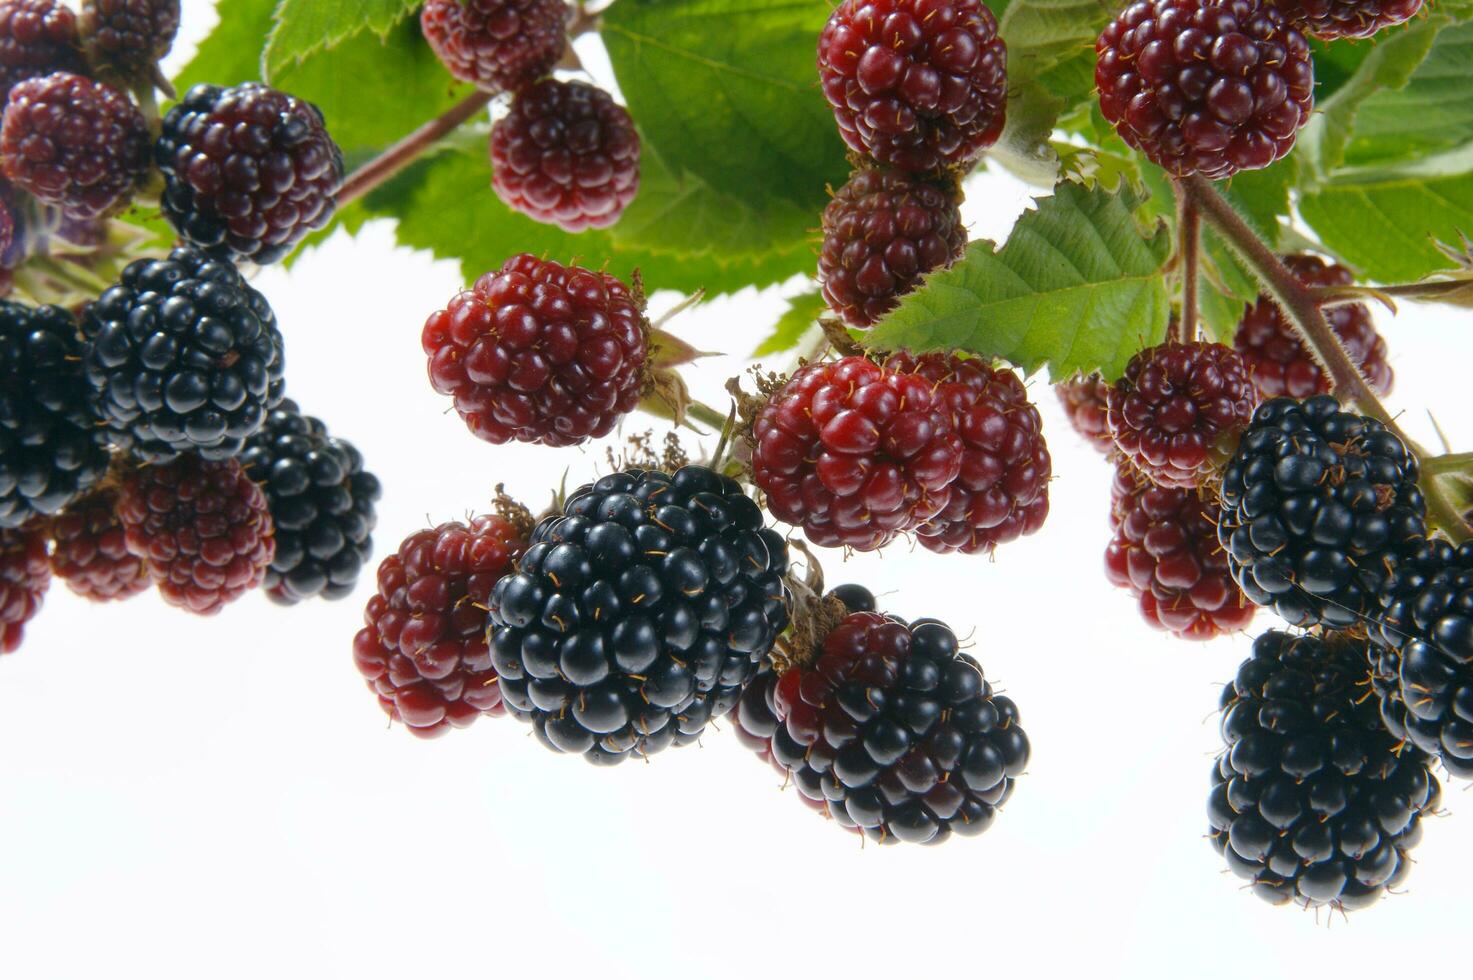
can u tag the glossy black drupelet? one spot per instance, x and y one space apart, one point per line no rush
1424 670
1316 505
321 501
638 613
183 356
1313 801
50 453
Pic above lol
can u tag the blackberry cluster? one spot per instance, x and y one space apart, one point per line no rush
248 171
1317 506
566 154
321 502
37 37
1330 19
50 453
25 575
1424 630
202 528
499 45
1313 801
80 145
89 551
897 733
540 352
1278 360
184 356
916 84
1206 87
882 232
127 39
1178 410
854 453
1001 492
638 613
1086 401
423 648
1166 553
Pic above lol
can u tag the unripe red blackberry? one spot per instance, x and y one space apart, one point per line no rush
1330 19
566 154
25 575
540 352
1178 410
1166 553
37 37
248 171
882 232
126 39
917 84
423 648
89 551
854 453
1001 492
499 45
80 145
1206 87
202 527
1086 405
1278 360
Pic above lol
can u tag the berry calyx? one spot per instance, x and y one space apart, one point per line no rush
89 551
248 171
916 84
882 232
1165 552
201 526
498 45
1206 87
1313 801
854 453
37 37
1177 411
1277 359
566 154
423 647
1086 405
639 613
1331 19
1001 492
540 352
25 575
126 39
80 145
1317 507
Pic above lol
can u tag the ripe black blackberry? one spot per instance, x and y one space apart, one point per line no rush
248 171
126 39
37 37
1425 664
183 356
321 501
1316 506
638 613
1313 801
50 453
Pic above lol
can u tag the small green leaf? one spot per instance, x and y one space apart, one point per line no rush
304 27
1390 230
801 315
1262 197
1025 149
1078 287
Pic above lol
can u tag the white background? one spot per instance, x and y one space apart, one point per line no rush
221 798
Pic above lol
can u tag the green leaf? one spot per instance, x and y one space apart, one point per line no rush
727 91
1078 287
304 27
801 315
1219 313
1390 229
1025 149
1262 197
1042 35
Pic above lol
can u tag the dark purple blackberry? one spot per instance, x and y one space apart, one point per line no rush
50 453
638 613
1316 506
126 39
183 356
1313 801
37 37
1424 669
321 501
248 171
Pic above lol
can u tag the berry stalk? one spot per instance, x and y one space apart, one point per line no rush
390 162
1189 229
